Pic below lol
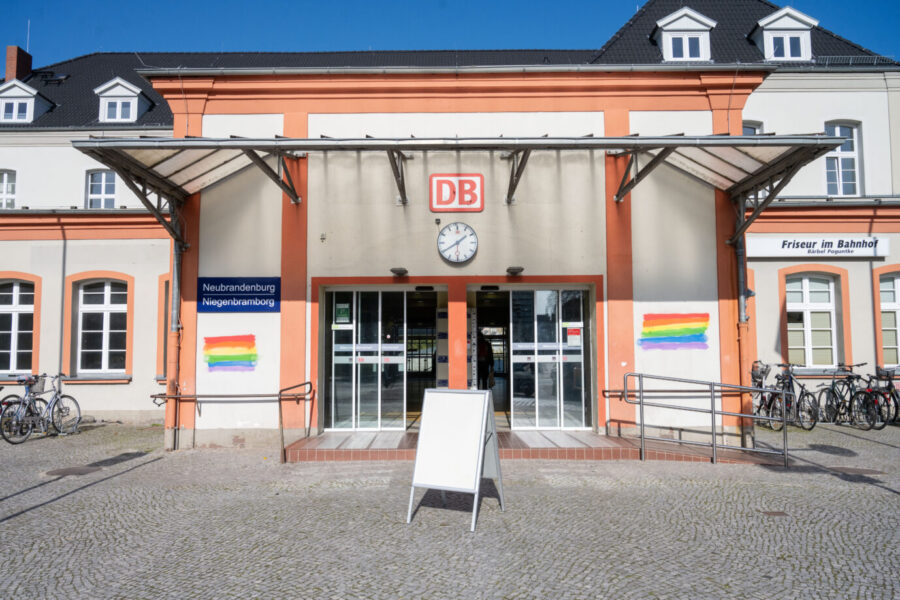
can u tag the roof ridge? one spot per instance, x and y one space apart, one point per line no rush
618 33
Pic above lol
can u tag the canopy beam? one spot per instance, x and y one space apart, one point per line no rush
396 157
518 160
626 187
271 174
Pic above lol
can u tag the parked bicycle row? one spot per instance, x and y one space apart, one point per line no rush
864 401
39 408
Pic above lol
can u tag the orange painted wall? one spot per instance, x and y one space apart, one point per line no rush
294 234
298 95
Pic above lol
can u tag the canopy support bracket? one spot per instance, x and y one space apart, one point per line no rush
772 193
519 159
626 187
142 195
271 174
396 157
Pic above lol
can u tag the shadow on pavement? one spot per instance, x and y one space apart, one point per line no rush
115 460
69 493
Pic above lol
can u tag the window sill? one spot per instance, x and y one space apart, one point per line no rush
814 372
117 378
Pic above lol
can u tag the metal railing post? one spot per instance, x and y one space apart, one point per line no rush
712 411
641 405
784 422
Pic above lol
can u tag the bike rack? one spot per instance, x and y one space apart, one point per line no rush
307 396
712 386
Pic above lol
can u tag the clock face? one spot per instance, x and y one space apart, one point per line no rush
457 242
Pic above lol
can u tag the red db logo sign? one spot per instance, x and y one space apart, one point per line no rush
456 192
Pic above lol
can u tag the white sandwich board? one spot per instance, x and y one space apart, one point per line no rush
457 445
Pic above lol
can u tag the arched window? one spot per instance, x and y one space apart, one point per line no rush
17 301
811 320
889 297
7 189
842 165
100 190
102 327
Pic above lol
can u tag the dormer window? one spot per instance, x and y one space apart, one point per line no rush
684 36
20 103
120 101
785 35
118 110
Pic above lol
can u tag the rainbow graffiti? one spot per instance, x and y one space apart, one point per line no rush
230 353
674 331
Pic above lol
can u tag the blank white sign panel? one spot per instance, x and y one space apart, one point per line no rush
450 438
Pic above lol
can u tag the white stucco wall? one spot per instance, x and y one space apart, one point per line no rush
670 122
240 236
555 226
675 272
862 305
50 173
788 103
53 260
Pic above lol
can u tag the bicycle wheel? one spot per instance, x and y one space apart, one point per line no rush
14 427
862 411
882 409
66 414
776 411
830 403
807 411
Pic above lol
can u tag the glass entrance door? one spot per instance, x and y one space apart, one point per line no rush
369 350
549 360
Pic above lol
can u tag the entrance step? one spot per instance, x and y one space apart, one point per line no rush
548 445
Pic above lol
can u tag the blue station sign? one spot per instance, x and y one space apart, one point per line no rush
238 294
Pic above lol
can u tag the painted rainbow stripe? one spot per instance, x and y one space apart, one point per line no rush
674 331
230 353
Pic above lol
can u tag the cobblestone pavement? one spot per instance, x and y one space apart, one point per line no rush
236 524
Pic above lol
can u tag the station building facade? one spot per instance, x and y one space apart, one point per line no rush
382 288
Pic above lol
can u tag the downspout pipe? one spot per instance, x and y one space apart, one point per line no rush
174 371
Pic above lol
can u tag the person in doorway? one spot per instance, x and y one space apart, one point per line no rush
485 362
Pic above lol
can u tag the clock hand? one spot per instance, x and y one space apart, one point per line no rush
456 243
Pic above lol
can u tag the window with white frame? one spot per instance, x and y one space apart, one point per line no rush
14 111
787 46
685 47
121 109
16 326
101 190
811 320
102 326
842 163
7 189
889 288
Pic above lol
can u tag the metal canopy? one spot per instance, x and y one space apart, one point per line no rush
752 169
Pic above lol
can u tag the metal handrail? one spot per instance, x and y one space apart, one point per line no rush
307 395
712 387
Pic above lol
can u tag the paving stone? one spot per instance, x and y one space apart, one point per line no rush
236 524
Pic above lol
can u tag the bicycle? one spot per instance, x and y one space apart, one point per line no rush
890 393
763 401
846 401
805 411
880 397
20 416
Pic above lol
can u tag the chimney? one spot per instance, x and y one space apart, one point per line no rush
18 63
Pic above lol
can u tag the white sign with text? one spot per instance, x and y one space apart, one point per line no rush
841 246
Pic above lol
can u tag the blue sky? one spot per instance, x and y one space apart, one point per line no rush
62 29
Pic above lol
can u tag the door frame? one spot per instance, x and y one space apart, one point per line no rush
456 288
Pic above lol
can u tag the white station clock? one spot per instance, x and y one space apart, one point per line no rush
457 242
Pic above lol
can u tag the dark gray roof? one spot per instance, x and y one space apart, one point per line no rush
75 106
729 42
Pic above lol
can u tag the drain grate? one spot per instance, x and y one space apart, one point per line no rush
72 471
774 513
854 471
